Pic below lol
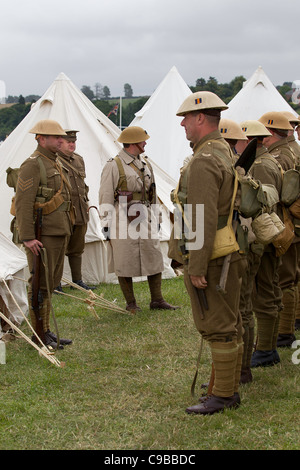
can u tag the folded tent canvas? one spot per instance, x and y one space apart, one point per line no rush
13 291
97 143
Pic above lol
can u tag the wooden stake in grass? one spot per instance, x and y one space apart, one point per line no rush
94 299
43 350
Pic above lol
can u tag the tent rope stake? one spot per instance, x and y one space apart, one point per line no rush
43 351
94 299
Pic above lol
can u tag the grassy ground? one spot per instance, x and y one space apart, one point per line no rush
126 384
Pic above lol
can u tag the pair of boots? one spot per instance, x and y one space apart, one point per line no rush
49 339
157 300
223 388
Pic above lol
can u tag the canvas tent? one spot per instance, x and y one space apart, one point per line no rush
168 146
13 263
258 96
97 142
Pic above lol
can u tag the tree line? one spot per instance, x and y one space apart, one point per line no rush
100 95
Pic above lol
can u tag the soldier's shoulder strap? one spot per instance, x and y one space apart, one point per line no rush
13 174
122 183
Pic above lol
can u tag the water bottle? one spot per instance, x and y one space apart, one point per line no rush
2 352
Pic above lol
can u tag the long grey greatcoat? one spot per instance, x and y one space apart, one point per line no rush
134 247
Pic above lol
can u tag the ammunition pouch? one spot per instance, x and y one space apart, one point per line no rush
284 240
296 223
294 208
267 227
256 196
15 232
131 199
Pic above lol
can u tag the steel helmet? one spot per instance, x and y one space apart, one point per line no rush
275 120
253 128
47 127
292 118
133 135
231 130
200 101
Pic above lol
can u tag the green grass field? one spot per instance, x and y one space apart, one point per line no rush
126 383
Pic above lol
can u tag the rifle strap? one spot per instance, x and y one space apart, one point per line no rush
197 368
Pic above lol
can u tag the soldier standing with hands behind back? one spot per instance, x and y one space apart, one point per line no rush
79 194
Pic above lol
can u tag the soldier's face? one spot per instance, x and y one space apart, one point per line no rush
189 122
52 142
67 147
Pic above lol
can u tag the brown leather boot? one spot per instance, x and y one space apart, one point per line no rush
213 404
133 307
162 305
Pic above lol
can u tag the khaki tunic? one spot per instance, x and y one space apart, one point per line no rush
56 223
210 183
56 226
262 262
134 247
283 153
295 147
76 173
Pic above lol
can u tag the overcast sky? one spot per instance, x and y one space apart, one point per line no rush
113 42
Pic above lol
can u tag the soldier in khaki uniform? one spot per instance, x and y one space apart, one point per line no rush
130 218
297 321
208 181
260 292
232 132
294 122
288 271
76 173
53 196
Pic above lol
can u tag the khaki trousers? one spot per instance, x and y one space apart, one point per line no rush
222 322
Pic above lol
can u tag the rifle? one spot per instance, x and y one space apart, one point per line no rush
245 161
37 297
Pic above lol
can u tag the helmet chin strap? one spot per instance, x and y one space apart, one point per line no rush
139 148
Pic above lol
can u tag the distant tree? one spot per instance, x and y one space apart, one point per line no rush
11 117
21 100
32 98
212 84
86 90
106 92
98 91
12 99
128 93
200 83
226 91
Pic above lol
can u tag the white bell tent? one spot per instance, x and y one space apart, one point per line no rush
258 96
167 146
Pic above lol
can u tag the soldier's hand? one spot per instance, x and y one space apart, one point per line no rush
33 245
199 281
